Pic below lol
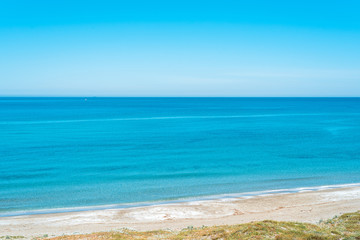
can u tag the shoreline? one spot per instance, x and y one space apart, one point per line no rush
230 196
304 205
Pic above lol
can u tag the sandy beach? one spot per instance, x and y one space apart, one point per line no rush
306 206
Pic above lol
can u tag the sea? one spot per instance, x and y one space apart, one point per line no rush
74 154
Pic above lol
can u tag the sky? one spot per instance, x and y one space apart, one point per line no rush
184 48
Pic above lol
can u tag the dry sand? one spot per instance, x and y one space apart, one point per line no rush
308 206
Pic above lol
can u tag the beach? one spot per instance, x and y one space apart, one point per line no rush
304 206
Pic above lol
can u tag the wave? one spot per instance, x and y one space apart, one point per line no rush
245 195
161 118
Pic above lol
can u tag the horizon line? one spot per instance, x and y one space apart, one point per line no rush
101 96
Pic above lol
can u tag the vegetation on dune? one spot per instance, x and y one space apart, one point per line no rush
346 227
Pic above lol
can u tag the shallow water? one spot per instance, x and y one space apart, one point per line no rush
72 152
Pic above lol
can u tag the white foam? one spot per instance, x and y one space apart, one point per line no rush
343 195
222 197
164 213
156 118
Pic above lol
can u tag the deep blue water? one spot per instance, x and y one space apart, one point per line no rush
71 152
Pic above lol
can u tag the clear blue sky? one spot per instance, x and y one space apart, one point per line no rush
179 48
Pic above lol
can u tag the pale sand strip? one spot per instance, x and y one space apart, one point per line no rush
304 206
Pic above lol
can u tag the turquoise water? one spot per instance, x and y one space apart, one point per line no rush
74 152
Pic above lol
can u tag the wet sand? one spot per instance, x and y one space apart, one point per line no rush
308 206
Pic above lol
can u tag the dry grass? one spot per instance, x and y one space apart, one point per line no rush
345 227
